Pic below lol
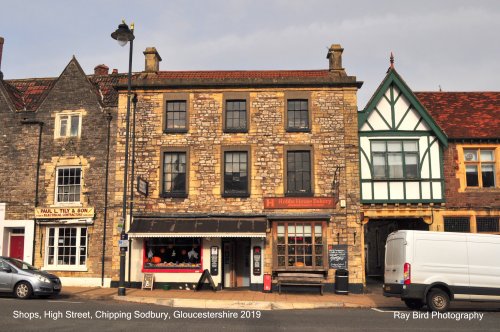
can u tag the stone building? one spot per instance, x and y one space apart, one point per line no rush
52 207
242 173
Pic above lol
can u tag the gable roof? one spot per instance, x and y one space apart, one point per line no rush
28 94
393 78
464 115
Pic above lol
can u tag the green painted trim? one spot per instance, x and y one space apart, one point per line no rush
380 114
418 123
420 188
393 77
397 98
441 161
369 125
425 153
369 163
403 180
393 108
403 118
429 144
399 133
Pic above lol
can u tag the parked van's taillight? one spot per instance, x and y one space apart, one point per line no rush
407 273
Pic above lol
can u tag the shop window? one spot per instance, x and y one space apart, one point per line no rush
480 168
236 116
168 254
174 174
298 173
66 247
297 115
487 224
457 224
300 245
68 125
176 116
235 173
395 159
68 187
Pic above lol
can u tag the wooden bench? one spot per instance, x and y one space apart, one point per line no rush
313 279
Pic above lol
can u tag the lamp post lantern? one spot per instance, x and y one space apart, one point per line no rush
123 35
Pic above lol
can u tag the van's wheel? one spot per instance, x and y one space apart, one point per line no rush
23 290
438 300
414 304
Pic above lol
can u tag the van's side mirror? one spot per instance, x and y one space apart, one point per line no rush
5 269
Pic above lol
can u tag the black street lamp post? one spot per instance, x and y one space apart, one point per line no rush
123 35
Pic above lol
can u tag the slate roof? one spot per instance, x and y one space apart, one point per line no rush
464 115
27 94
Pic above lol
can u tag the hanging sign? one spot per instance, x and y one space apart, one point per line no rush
142 186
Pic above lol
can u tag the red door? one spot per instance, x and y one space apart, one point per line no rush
17 247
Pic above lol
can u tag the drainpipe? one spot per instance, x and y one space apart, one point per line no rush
132 178
109 117
40 124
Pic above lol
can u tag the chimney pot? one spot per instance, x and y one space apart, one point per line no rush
152 59
115 71
101 70
335 57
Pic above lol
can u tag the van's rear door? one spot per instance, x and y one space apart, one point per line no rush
394 264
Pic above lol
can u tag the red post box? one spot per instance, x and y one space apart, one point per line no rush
267 283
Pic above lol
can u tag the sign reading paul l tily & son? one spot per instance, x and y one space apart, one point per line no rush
66 212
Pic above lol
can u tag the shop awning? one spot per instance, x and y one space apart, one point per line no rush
205 227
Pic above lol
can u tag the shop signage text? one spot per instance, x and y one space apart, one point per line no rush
299 203
70 212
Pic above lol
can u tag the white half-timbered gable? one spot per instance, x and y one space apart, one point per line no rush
401 147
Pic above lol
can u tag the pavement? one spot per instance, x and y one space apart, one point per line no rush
237 299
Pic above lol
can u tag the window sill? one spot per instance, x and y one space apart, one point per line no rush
175 131
64 268
236 195
299 194
298 130
173 195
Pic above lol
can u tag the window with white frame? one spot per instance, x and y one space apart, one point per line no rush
66 247
68 186
394 159
68 125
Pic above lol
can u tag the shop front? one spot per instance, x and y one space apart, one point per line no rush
177 250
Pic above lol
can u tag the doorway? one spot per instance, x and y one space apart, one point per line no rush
236 258
16 248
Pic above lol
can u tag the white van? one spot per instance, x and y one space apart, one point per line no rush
435 268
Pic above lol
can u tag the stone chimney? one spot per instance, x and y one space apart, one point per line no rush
334 57
101 70
152 60
1 51
115 71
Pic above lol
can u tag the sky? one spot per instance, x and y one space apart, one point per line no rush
452 45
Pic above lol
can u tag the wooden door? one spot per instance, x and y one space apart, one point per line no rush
17 246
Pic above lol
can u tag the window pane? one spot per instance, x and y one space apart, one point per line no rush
470 155
410 146
176 114
174 172
378 146
235 173
395 162
471 176
488 175
63 126
297 113
298 172
393 146
379 166
487 224
456 224
487 155
75 121
411 166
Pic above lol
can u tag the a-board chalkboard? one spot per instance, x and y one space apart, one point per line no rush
206 276
148 280
337 256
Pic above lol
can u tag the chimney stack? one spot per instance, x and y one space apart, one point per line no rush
101 70
335 57
152 60
1 50
115 71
